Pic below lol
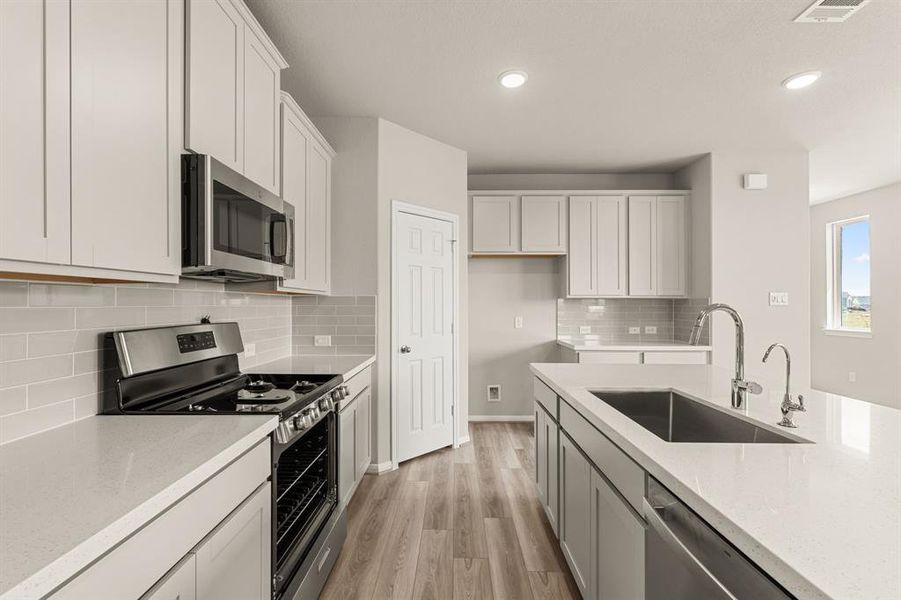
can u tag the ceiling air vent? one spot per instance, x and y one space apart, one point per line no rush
830 11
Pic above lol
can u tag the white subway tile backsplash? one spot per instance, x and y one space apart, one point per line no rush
24 320
51 347
13 347
350 320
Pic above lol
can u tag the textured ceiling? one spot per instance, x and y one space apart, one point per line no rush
641 85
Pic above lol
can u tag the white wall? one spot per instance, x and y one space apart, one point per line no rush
354 202
875 360
698 177
418 170
571 181
499 290
760 242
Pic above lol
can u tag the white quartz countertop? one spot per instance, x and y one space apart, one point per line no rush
69 495
637 347
346 365
823 519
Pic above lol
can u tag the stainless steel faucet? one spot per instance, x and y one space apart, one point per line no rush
740 387
788 406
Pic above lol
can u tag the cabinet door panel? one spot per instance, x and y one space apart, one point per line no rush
611 246
495 227
361 435
583 240
543 224
215 94
553 505
125 108
318 218
671 272
617 545
346 441
575 512
642 245
541 454
180 583
261 101
34 130
295 146
234 561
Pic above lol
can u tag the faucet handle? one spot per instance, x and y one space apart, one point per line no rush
801 404
754 387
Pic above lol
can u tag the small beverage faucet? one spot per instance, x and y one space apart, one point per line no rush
788 406
740 387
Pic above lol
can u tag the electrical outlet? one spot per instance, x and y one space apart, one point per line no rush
494 393
634 330
852 376
250 350
583 329
652 329
778 298
322 340
517 322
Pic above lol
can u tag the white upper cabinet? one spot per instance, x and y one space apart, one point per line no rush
234 77
495 224
671 242
262 87
596 261
642 245
34 130
518 224
126 84
543 224
306 172
657 245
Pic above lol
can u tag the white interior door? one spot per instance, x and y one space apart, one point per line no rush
424 259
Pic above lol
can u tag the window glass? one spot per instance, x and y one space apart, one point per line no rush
852 293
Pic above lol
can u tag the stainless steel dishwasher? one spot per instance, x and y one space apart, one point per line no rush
686 559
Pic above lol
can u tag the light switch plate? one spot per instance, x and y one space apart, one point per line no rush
250 350
322 340
778 298
517 322
634 330
852 376
584 329
652 329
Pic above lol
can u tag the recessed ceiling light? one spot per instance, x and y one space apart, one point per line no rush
512 79
801 80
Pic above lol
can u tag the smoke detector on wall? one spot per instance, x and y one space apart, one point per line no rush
830 11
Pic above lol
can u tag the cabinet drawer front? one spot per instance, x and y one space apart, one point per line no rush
180 583
625 474
546 397
357 384
600 357
133 566
675 358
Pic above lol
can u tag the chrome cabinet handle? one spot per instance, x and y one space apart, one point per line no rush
405 349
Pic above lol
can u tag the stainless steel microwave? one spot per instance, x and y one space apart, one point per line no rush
232 229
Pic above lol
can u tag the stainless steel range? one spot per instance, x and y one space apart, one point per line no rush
193 369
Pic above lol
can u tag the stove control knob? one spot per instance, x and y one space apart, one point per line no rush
326 404
299 422
314 413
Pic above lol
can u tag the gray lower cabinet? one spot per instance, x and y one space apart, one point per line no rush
354 447
575 513
180 583
617 545
546 450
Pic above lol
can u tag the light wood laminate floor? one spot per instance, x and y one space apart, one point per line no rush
454 524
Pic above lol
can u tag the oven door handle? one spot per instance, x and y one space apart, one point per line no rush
658 525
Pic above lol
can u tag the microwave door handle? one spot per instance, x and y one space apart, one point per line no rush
289 259
657 524
276 251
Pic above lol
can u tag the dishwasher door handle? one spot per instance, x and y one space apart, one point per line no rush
659 526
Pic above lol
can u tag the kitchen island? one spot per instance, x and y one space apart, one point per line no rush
823 519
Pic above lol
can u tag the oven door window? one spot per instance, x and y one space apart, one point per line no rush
246 227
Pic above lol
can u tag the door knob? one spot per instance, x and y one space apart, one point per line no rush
405 349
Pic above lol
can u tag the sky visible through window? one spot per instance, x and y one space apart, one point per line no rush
855 257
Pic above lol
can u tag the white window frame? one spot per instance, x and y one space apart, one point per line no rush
834 277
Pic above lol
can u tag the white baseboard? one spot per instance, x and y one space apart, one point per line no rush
379 468
501 418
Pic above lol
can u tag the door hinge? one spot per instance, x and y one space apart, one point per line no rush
452 326
452 410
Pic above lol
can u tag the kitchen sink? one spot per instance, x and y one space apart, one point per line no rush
676 418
